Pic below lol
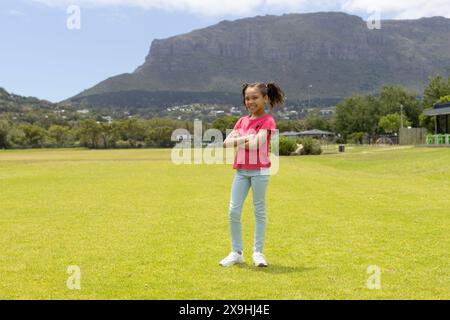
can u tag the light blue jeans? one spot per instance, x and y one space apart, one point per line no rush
243 180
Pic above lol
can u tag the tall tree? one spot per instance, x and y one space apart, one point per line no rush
392 122
358 114
314 120
33 135
436 89
4 129
133 131
59 134
395 98
224 123
89 133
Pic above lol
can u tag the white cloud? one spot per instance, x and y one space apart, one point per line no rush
397 9
208 8
16 13
401 9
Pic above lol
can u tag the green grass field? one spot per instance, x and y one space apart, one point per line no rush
141 227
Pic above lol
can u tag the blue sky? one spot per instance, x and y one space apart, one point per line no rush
41 57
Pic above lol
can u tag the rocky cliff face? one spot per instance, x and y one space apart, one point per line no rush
335 52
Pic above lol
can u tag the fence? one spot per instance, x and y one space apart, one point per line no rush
438 139
412 136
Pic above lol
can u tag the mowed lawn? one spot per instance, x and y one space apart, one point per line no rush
140 227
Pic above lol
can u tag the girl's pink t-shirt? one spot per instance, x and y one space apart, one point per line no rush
259 158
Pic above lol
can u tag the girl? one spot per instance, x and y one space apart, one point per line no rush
251 135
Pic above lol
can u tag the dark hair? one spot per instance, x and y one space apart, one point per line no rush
271 89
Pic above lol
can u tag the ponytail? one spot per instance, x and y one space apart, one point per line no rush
272 90
275 94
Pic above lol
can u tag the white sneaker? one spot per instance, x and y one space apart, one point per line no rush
259 260
232 258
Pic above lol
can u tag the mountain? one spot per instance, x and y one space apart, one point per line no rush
10 102
21 109
334 52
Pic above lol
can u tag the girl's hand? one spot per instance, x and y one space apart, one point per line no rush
251 136
235 135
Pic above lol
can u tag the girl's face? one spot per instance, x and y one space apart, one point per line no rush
255 101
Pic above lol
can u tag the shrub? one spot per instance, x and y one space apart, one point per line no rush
286 146
120 144
310 146
339 140
356 137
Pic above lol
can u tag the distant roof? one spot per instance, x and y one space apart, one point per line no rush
441 105
315 132
290 133
437 111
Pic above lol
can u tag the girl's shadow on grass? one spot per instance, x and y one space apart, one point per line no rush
274 268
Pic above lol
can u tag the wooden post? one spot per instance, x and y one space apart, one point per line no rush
435 129
446 124
447 131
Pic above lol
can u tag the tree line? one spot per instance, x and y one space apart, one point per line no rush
374 115
123 133
355 116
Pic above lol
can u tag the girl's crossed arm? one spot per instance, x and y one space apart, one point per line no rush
249 142
234 139
256 140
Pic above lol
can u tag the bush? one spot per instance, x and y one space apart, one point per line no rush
286 146
310 146
16 138
4 129
356 137
339 140
120 144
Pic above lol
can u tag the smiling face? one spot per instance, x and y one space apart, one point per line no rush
255 101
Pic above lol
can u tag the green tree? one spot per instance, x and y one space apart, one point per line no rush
314 120
291 125
437 88
224 123
444 99
356 137
286 145
89 133
59 135
4 130
34 135
311 146
358 114
393 97
109 134
133 131
362 114
392 122
160 137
